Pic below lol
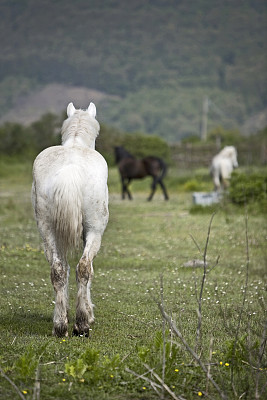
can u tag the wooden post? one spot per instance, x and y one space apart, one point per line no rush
204 125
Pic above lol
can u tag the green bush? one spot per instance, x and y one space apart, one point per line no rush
226 137
248 188
91 367
193 185
141 145
14 139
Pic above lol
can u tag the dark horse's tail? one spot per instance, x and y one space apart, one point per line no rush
163 167
157 178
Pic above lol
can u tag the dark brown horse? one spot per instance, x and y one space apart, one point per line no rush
133 168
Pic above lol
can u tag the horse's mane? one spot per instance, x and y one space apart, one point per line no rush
227 151
121 152
80 126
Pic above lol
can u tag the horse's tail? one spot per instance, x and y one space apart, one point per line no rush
67 208
163 167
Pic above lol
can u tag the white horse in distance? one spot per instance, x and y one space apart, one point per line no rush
70 201
222 166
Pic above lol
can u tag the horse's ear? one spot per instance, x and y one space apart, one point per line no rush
70 110
92 110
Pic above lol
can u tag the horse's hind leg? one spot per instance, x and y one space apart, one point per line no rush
166 197
153 189
59 279
125 189
84 275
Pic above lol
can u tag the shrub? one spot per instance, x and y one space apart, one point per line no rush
192 186
247 188
142 145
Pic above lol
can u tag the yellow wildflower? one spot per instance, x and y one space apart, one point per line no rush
200 394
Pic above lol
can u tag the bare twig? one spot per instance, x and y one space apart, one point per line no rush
263 343
198 335
215 265
166 387
154 385
194 240
36 388
13 384
191 351
209 364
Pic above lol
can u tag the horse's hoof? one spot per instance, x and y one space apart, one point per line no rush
80 330
60 330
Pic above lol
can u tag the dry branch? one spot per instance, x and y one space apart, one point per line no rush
191 351
13 384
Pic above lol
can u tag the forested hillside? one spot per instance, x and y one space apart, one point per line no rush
158 58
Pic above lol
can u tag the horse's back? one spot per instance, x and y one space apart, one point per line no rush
68 186
132 168
84 164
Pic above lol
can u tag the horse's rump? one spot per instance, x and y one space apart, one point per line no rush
155 166
61 176
66 204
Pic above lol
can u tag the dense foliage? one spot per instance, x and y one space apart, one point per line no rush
159 58
18 140
248 187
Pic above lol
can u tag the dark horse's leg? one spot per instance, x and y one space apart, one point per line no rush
153 188
157 180
125 188
122 188
166 197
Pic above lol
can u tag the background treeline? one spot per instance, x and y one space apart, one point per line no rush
28 141
159 58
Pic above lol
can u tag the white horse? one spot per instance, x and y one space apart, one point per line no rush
70 201
222 166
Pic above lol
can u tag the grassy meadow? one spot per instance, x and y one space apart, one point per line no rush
143 261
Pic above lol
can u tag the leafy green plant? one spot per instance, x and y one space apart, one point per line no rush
26 364
245 187
92 367
192 185
76 368
162 354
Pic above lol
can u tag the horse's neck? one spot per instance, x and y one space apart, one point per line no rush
80 131
76 141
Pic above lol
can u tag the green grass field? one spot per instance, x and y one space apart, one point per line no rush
141 262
